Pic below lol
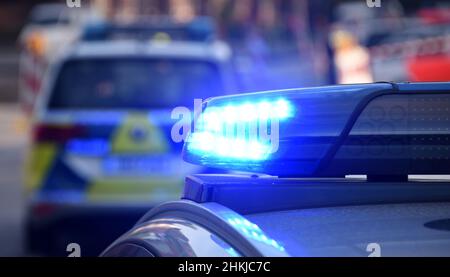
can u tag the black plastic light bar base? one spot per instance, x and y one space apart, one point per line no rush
247 194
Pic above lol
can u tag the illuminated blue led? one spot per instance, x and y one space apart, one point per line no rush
231 131
264 110
281 109
228 147
248 112
230 114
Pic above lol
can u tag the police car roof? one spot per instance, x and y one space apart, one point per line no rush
430 86
131 48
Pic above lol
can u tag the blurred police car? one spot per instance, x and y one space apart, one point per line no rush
309 140
102 152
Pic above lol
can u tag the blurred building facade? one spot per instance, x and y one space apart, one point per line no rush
13 13
291 36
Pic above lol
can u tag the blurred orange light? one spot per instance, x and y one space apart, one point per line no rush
36 44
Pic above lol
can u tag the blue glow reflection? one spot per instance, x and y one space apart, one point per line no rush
252 231
232 252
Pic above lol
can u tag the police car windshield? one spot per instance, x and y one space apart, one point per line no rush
49 14
133 83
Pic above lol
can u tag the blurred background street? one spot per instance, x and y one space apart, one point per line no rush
12 147
250 45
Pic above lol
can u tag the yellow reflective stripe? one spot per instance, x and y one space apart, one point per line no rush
124 189
153 142
38 164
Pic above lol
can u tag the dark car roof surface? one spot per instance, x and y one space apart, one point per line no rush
416 229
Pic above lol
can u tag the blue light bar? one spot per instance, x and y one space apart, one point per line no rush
323 131
236 130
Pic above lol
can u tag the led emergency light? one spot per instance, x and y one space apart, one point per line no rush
201 29
370 129
239 131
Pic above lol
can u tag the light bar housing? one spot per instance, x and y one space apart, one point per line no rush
370 129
